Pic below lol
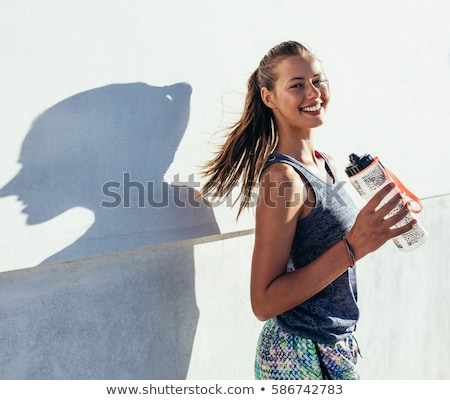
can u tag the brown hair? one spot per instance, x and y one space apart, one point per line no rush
254 137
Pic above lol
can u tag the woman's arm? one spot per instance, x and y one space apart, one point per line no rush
282 202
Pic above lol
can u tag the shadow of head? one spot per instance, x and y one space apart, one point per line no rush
115 141
76 146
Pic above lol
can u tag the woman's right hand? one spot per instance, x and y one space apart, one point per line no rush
374 227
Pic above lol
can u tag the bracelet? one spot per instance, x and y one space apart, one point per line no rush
351 256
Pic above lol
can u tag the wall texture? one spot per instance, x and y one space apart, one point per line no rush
110 267
164 312
405 314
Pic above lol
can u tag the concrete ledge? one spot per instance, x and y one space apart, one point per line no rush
128 315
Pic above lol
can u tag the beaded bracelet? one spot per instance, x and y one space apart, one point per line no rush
350 252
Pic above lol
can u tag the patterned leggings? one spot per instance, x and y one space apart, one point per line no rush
281 355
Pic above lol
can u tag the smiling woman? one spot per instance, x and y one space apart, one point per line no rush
308 232
300 92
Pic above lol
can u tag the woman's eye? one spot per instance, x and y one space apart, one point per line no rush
298 85
320 82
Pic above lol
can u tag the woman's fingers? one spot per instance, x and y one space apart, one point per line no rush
375 223
394 232
375 201
395 203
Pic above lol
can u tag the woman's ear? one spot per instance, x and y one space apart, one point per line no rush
267 98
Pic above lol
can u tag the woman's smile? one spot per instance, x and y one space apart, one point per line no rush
313 109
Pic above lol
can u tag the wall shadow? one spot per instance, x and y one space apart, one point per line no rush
128 316
107 150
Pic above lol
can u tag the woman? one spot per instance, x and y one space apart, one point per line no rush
308 232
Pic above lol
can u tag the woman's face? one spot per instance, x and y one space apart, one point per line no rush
300 96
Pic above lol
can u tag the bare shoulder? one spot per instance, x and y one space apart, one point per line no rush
281 187
281 174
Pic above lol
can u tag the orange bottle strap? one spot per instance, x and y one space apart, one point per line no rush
405 190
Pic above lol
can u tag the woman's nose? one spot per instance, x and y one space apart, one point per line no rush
313 91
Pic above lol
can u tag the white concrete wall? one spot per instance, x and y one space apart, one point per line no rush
171 311
95 90
404 330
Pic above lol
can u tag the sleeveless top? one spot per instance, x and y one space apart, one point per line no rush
330 315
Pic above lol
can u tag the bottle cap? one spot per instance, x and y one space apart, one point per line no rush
357 163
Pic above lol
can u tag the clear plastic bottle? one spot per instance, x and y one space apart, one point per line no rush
368 176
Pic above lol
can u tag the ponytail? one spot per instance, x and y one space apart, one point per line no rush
243 155
253 138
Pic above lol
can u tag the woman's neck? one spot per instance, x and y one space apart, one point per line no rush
302 149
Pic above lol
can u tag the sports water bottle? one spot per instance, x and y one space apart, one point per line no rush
368 176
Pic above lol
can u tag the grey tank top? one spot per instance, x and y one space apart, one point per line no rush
331 315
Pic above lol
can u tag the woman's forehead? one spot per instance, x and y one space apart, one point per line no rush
299 67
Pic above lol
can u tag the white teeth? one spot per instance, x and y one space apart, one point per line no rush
314 108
